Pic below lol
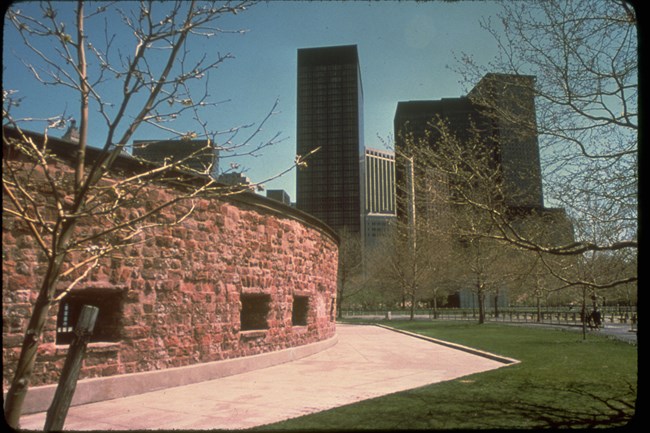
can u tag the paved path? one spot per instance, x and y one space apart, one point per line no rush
612 330
366 362
620 332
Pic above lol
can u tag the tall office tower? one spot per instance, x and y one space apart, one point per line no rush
511 112
330 117
490 108
199 157
379 209
501 108
413 120
379 167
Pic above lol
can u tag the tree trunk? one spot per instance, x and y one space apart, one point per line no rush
83 84
20 384
481 307
435 306
339 303
584 313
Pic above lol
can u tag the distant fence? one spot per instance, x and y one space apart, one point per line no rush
562 316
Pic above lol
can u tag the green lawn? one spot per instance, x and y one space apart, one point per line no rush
561 382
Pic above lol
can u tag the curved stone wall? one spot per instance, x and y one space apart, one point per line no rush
239 277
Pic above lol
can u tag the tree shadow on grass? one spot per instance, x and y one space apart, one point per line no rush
465 404
575 406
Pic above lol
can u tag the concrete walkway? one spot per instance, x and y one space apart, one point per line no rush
366 362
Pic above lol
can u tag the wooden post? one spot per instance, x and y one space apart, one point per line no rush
58 410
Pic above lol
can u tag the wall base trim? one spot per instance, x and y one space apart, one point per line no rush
96 389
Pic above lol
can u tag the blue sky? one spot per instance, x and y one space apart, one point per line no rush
405 50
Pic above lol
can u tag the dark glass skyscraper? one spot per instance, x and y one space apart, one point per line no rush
330 117
500 112
515 148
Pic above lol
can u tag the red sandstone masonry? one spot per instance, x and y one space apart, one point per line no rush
182 290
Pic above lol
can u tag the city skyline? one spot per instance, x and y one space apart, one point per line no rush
458 168
425 36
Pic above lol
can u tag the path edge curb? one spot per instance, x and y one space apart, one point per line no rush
499 358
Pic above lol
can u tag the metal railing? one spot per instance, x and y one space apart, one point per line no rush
560 316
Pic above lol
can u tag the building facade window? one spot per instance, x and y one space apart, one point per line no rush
300 311
254 312
108 324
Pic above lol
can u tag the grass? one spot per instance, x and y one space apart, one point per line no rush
561 382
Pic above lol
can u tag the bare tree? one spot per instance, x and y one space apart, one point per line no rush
584 56
443 268
485 270
350 268
581 57
408 264
80 216
405 269
466 201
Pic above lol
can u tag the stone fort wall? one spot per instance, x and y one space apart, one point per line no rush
240 276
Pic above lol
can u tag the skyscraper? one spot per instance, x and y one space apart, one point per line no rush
330 117
500 109
511 99
379 168
379 195
489 108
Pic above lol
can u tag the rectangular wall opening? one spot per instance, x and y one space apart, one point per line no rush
300 311
254 311
107 325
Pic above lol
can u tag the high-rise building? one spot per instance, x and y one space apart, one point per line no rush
330 118
200 156
379 195
379 173
510 102
501 110
488 109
